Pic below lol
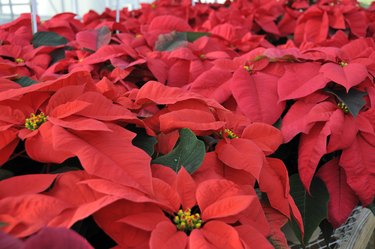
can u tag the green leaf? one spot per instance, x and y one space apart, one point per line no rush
2 224
353 99
188 152
174 39
145 142
313 206
193 36
58 54
44 38
25 81
4 174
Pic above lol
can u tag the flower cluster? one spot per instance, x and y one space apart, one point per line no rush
179 126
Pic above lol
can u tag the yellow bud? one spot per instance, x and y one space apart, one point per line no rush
19 60
247 68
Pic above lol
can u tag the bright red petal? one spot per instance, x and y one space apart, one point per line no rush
342 199
227 207
311 149
166 236
274 181
267 137
300 80
241 154
256 96
186 187
221 198
357 161
25 184
256 240
221 235
195 120
347 76
110 155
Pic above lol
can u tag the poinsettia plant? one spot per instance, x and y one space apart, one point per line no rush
187 126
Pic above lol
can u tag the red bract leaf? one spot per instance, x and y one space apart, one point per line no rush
104 53
157 93
347 76
25 184
79 124
84 201
311 149
221 198
94 39
76 78
256 240
197 240
277 221
256 96
166 142
8 143
178 73
357 161
343 130
302 116
267 137
186 187
68 109
145 221
169 23
165 195
109 155
227 207
241 154
124 234
40 147
300 80
357 22
159 69
104 109
312 26
30 213
213 83
56 238
195 120
166 236
221 235
296 214
274 181
64 95
342 199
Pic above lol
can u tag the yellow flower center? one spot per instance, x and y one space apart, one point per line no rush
35 121
202 56
19 60
343 63
343 107
247 68
230 134
185 221
153 6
